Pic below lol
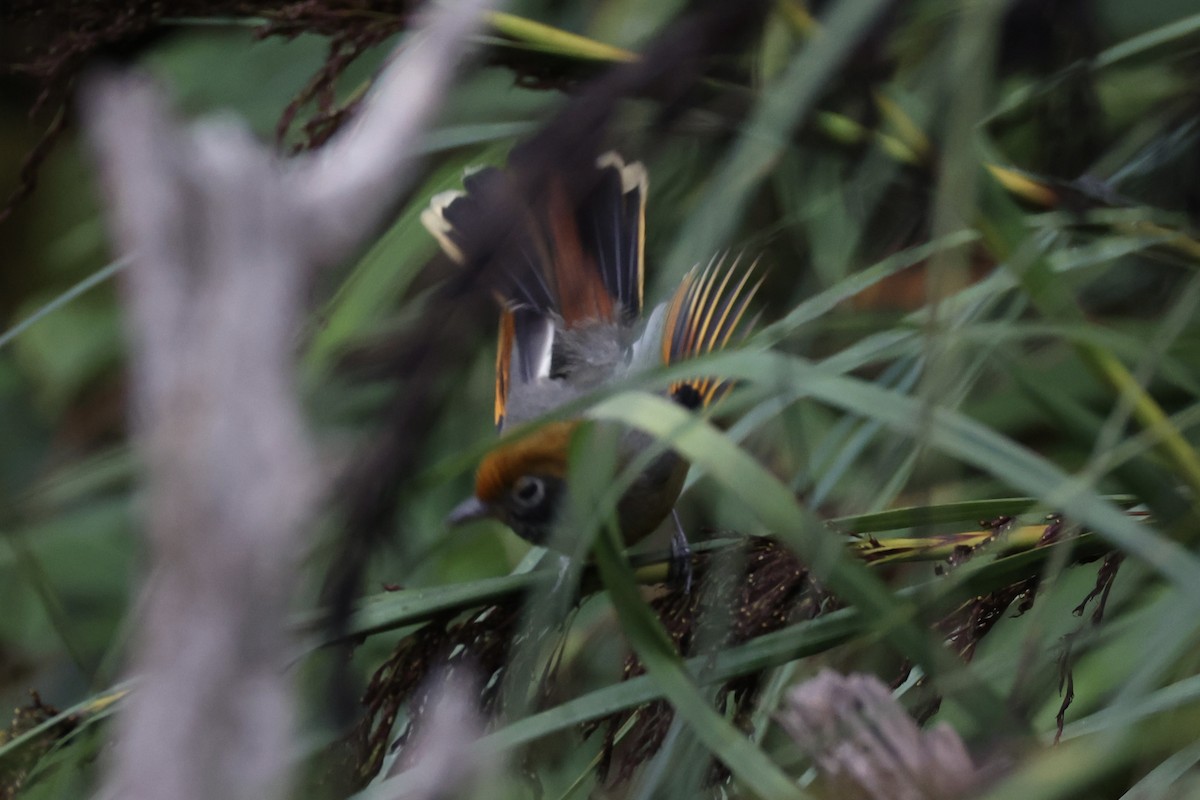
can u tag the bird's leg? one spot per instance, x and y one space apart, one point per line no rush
681 556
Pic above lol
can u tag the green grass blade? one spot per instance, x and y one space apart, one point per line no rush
90 282
774 505
782 107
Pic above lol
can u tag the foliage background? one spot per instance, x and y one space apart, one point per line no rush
1028 306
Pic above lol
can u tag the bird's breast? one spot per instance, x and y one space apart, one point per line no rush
650 499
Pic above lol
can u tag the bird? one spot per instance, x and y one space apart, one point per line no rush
566 259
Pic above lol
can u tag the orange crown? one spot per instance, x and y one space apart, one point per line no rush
543 451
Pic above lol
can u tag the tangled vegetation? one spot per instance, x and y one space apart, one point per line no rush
961 455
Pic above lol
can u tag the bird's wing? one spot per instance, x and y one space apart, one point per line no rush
612 225
702 316
568 252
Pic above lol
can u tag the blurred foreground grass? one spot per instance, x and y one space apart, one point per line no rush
980 226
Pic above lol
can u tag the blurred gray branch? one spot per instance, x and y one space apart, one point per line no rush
440 761
223 237
865 746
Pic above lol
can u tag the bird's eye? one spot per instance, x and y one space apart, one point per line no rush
529 491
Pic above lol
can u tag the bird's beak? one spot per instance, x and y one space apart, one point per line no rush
468 510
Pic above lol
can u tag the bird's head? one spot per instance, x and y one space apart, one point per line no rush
522 483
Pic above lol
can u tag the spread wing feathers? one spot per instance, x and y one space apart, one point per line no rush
570 252
573 250
702 317
485 227
612 223
523 349
581 293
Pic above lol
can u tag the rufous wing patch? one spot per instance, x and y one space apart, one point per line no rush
582 294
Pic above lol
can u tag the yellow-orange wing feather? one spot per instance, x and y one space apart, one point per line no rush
504 351
704 313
